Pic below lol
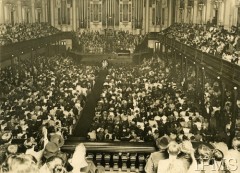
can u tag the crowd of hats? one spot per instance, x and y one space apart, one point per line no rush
190 157
21 32
43 157
48 91
145 102
148 102
96 42
209 39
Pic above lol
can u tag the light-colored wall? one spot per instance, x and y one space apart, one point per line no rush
227 12
20 9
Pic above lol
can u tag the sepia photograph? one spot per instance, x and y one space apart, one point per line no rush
119 86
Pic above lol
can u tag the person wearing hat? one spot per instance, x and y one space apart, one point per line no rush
187 149
155 157
234 153
204 158
54 164
6 138
51 149
57 139
30 145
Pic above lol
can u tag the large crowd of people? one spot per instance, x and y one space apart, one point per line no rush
45 91
95 42
210 39
41 100
145 102
21 32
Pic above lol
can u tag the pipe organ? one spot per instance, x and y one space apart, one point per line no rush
116 14
70 15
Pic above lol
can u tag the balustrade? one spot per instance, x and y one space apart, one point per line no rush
26 46
211 62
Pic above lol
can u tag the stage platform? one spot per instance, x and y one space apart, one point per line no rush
95 58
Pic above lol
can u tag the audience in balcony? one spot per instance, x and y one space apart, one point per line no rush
22 32
213 40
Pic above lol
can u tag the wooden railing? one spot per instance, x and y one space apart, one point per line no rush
15 49
218 65
113 147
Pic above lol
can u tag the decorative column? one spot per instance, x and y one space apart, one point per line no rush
74 15
147 16
144 17
186 67
161 48
33 11
181 14
7 13
19 11
197 81
185 11
182 65
221 13
43 11
234 116
169 13
222 90
195 11
203 87
189 12
208 11
201 8
52 13
77 15
181 10
227 18
1 12
217 5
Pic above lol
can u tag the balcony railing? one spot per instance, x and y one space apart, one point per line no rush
115 147
219 66
15 49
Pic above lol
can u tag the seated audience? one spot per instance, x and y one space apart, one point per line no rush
95 42
213 40
22 32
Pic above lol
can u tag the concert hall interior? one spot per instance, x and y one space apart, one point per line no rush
119 86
